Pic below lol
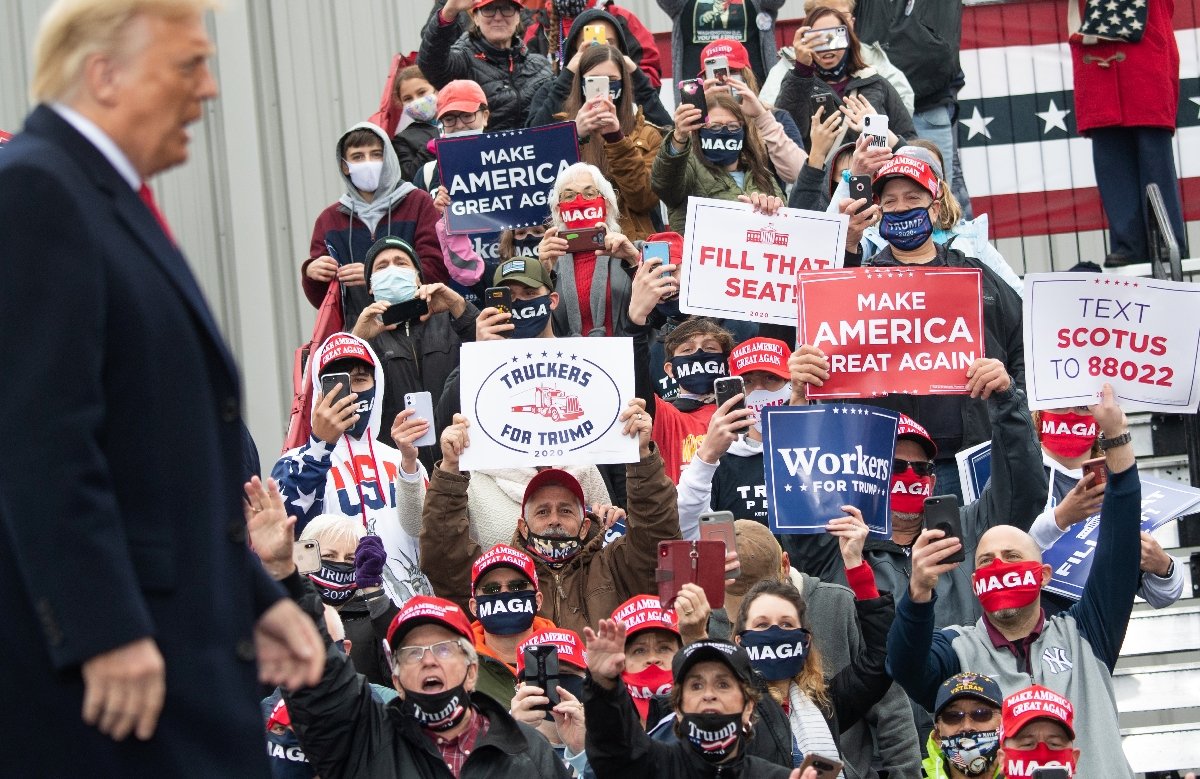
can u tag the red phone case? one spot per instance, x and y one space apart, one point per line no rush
697 562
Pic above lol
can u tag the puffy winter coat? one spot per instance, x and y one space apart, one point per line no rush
677 176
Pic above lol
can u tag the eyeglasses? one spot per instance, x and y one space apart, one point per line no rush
516 585
732 127
980 716
567 195
442 650
459 119
507 10
920 467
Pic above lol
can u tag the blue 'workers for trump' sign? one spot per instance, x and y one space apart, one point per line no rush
820 458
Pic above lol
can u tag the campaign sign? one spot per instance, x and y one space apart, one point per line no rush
909 330
820 458
546 402
1142 336
974 470
738 264
4 137
1070 558
500 181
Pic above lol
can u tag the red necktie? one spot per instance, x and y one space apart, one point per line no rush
148 198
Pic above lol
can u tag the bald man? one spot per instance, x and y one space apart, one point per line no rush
1072 653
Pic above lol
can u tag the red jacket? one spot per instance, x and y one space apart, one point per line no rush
1129 84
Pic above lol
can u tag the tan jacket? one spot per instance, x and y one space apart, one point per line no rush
629 162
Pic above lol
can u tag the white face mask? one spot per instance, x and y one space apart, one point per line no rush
424 108
365 175
759 399
461 133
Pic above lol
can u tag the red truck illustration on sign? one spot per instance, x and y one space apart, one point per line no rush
553 403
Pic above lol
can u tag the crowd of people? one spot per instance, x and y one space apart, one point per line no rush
506 622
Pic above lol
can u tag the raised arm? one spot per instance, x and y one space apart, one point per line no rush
447 549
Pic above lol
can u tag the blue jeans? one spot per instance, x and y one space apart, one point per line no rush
937 125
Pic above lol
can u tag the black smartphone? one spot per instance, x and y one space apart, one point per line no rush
499 298
860 187
408 311
541 670
691 91
941 513
726 388
823 100
330 380
1051 773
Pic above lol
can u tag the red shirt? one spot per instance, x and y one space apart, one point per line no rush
679 434
585 266
455 751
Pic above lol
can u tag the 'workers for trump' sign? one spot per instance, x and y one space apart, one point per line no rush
738 264
910 330
1140 335
820 458
500 181
546 402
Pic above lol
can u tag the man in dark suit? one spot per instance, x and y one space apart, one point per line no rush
131 604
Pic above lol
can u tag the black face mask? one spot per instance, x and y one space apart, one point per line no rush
438 711
552 551
335 582
697 372
712 736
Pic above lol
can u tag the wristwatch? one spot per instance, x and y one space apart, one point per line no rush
1108 443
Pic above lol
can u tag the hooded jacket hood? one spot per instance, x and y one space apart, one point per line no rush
832 177
376 414
392 186
594 15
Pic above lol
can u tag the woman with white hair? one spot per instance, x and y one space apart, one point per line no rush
594 286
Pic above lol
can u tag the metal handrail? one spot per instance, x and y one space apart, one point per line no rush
1164 246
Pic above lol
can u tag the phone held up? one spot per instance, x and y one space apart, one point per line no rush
697 562
307 556
941 513
691 92
1098 469
333 384
403 313
541 670
718 526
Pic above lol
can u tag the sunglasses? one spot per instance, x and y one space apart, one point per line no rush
491 588
920 467
980 716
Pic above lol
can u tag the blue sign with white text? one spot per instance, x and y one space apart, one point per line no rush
820 458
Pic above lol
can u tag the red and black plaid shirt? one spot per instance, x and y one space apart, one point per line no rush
455 751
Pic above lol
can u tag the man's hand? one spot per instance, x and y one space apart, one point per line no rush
271 529
454 442
1112 422
406 429
336 417
605 652
1154 559
638 422
369 324
551 248
823 132
491 323
986 376
807 365
1084 500
441 298
353 275
652 283
524 703
607 514
691 606
323 268
569 719
123 690
763 203
724 427
927 555
289 648
851 532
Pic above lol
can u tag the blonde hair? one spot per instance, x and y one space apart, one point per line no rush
73 30
952 212
330 528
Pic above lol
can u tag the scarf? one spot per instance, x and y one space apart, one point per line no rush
810 731
598 296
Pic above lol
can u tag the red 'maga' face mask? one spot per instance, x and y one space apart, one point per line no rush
1001 585
1069 434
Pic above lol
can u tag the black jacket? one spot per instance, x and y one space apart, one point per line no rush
509 77
795 97
412 147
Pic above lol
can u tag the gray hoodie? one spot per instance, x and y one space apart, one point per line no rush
392 186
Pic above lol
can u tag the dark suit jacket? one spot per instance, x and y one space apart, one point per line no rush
120 470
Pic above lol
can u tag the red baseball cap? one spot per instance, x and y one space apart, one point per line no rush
463 94
341 346
761 354
426 609
507 556
552 476
645 612
909 429
733 51
279 716
904 166
567 642
1035 702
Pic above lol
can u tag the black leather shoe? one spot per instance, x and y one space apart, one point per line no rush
1118 260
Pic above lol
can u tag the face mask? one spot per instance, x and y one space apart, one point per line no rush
712 736
439 711
553 551
506 613
909 491
461 133
394 284
527 247
423 109
777 653
645 684
530 316
335 582
1023 762
906 230
696 372
721 147
1000 585
366 400
578 214
669 308
759 399
837 72
365 175
1069 434
614 91
972 752
287 756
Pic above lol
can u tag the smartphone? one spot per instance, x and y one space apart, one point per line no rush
691 91
422 402
499 298
698 562
403 313
860 187
725 388
1051 773
541 670
941 513
835 40
716 68
594 35
589 239
826 767
330 381
657 250
307 556
718 526
594 87
823 100
876 126
1098 468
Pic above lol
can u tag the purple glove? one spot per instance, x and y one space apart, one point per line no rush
368 562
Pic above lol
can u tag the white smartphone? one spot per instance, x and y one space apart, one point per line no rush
876 126
594 87
307 556
423 403
716 68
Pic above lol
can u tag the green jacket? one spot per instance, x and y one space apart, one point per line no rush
935 764
675 177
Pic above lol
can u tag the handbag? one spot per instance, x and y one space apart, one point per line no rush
329 321
1107 21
